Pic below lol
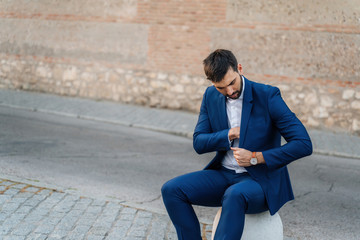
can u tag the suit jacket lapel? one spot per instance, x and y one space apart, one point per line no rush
246 110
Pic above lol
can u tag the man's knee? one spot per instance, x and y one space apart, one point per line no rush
169 188
234 194
166 189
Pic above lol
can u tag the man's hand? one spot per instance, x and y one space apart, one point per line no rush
234 133
242 156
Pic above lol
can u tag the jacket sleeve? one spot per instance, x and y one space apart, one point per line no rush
290 127
204 139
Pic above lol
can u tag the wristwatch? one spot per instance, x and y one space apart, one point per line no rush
253 160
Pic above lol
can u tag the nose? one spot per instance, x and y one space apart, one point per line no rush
229 91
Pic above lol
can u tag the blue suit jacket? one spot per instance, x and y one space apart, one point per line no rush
265 118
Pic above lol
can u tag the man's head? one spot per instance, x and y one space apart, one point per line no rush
223 70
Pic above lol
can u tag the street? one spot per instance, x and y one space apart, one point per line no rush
96 158
131 164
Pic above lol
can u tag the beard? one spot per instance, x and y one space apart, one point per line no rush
235 95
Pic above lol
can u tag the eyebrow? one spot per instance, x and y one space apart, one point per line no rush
232 82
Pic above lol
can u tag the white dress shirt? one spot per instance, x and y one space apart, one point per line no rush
233 110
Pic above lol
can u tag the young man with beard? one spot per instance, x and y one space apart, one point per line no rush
242 121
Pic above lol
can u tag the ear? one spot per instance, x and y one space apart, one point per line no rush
240 68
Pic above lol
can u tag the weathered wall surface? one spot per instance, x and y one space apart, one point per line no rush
150 52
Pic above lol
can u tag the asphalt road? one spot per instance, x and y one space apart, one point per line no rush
131 164
96 158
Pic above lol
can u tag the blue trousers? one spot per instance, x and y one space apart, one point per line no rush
236 193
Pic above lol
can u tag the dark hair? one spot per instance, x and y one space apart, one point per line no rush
218 63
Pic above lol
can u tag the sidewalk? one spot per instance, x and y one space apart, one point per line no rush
37 212
169 121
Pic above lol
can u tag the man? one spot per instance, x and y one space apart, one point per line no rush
243 122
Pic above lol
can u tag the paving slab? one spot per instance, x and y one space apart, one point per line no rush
40 212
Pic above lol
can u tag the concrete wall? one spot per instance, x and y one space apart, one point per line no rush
150 52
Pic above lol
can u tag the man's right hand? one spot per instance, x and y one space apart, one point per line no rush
234 133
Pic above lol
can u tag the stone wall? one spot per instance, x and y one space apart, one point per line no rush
150 52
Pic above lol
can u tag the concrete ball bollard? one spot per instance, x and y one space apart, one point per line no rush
257 226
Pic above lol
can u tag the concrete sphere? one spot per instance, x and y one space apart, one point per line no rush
257 226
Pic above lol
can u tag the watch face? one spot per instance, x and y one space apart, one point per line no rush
253 161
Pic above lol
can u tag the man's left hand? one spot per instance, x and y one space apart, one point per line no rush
242 156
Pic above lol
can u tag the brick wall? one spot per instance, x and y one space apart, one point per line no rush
150 52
